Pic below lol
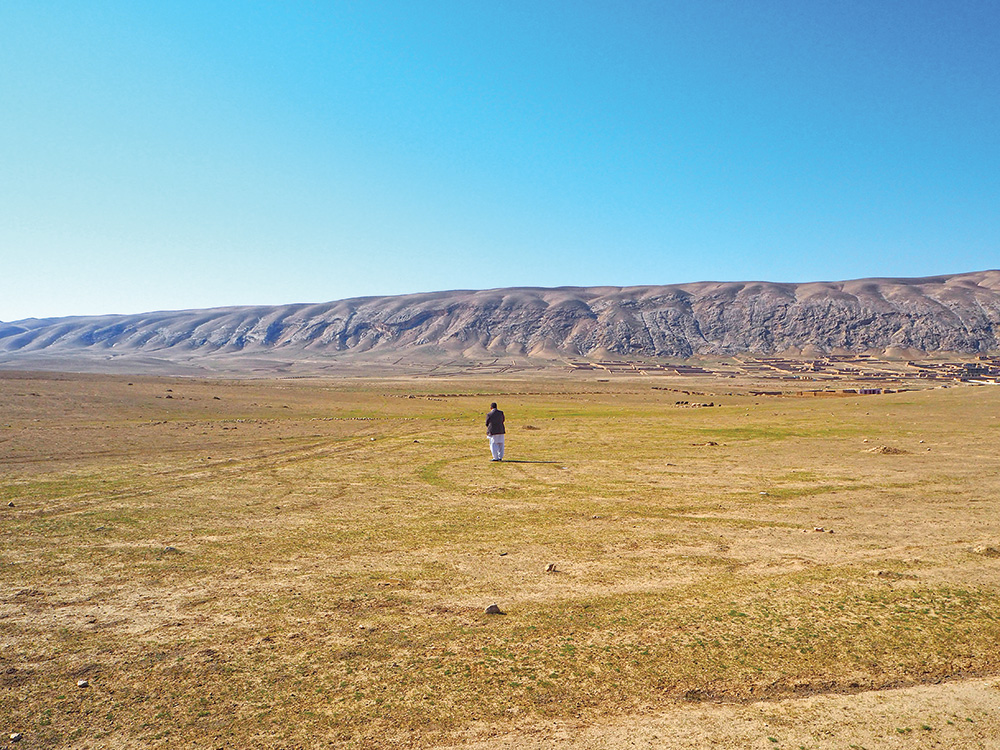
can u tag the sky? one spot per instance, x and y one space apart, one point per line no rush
178 155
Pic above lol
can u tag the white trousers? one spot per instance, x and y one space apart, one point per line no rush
496 447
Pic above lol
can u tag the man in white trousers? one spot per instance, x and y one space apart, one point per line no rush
495 431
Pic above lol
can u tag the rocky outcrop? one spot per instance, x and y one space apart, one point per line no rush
959 313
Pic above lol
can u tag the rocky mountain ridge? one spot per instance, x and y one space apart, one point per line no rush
955 313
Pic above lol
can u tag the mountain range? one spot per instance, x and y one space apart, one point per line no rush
954 313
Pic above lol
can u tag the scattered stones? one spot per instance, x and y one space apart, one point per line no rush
986 551
493 609
82 683
551 568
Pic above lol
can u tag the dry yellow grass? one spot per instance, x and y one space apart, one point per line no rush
302 563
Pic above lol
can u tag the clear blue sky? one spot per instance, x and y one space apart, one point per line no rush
195 154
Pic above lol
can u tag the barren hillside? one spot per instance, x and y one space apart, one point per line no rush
958 313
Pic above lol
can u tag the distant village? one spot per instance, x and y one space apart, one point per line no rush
862 374
857 368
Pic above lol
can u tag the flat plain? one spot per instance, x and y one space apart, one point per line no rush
306 563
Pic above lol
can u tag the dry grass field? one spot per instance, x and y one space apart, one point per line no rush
305 563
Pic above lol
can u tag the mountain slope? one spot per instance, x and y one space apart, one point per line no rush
959 313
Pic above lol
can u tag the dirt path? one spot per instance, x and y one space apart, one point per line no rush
962 714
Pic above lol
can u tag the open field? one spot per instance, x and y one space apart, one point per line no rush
306 563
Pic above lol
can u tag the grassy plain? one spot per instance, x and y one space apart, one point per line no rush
304 563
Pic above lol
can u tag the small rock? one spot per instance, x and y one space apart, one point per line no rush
829 531
10 504
763 492
819 528
503 554
551 568
82 683
15 737
171 551
493 609
986 551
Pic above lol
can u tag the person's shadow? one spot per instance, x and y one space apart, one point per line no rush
525 461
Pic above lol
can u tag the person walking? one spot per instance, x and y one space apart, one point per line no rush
495 431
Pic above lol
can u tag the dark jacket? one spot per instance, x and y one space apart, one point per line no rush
494 422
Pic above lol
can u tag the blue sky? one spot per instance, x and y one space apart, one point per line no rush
197 154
